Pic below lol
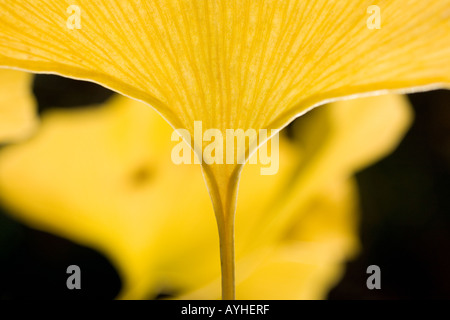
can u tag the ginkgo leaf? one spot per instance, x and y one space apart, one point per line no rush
238 64
232 64
103 178
17 106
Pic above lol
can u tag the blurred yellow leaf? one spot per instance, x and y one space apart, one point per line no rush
17 106
103 177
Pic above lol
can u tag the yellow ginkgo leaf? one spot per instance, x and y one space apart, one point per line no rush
232 64
17 106
104 178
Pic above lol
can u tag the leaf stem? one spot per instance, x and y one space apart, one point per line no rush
226 238
223 196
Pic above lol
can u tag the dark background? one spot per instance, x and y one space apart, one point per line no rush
405 219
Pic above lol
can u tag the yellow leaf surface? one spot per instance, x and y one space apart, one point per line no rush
232 64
